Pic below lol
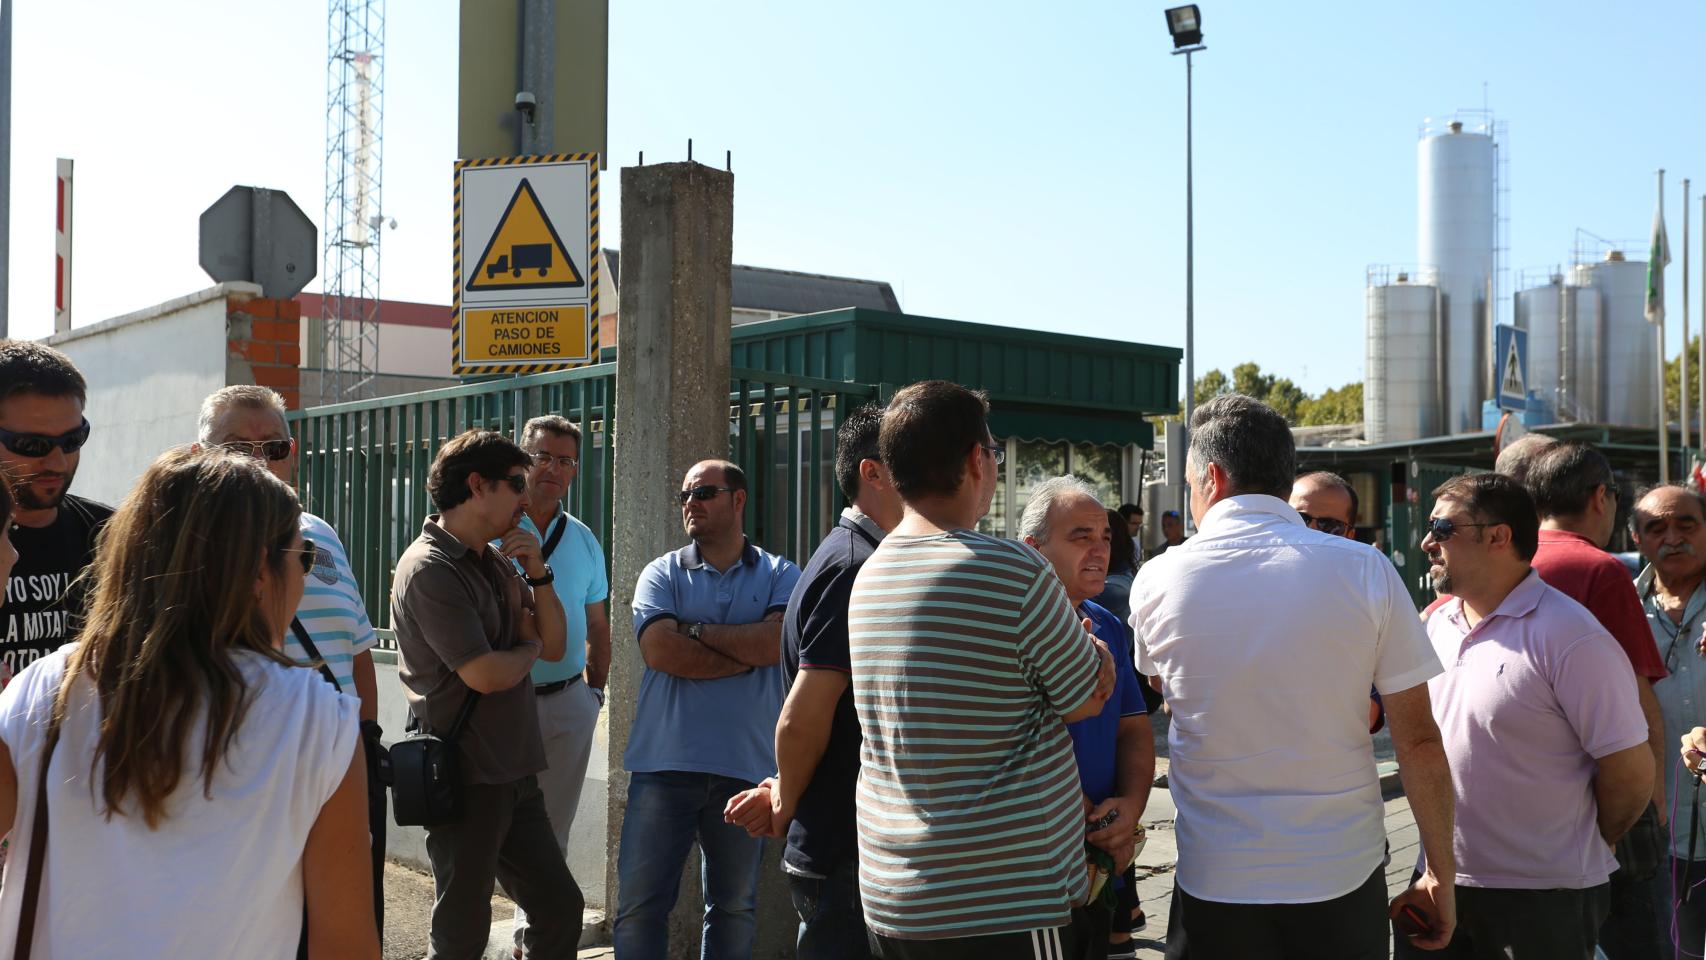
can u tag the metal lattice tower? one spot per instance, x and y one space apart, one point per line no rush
349 310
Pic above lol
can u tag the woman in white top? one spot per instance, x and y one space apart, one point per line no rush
203 791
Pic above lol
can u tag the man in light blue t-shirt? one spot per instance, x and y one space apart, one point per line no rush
708 618
569 693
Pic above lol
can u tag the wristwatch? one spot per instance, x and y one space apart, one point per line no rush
549 576
695 631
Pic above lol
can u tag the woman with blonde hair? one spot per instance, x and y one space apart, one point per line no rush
195 781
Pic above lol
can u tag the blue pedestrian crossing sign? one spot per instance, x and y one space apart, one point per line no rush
1510 352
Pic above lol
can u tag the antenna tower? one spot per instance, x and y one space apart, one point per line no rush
349 307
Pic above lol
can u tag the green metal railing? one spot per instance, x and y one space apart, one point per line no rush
363 465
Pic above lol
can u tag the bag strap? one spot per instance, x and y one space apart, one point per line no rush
38 853
556 535
313 652
462 716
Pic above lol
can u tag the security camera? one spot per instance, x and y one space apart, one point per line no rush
526 103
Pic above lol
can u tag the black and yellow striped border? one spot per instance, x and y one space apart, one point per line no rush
594 272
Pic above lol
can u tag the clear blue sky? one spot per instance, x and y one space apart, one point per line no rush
998 162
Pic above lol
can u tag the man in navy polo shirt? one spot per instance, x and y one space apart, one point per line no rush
810 800
709 622
1115 749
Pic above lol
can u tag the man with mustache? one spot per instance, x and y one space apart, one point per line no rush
1669 526
42 430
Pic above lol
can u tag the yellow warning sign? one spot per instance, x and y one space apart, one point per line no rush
525 252
509 335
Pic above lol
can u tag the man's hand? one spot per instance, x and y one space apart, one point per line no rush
1700 641
1694 748
750 809
1115 838
1438 901
1105 675
523 548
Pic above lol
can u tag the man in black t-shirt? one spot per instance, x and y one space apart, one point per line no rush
810 799
41 431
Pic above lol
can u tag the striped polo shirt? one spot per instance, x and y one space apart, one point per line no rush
331 608
966 654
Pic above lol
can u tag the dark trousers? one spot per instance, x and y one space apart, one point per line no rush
1084 936
504 835
1682 922
1631 931
832 920
1351 927
1519 925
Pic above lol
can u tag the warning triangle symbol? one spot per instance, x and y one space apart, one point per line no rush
1511 383
525 252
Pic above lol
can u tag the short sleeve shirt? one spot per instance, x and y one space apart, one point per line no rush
1599 581
43 599
331 610
1095 740
448 607
814 637
1532 696
966 656
577 570
1267 636
725 726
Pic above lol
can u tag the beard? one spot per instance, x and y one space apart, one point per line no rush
1441 579
30 499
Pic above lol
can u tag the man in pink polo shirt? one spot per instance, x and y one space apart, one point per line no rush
1543 728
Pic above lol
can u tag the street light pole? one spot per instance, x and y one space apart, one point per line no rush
1190 270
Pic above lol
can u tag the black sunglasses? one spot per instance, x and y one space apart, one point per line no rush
1327 525
37 445
517 482
306 555
1444 528
704 491
274 450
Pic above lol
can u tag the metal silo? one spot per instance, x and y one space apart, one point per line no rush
1581 387
1401 397
1629 359
1456 222
1539 310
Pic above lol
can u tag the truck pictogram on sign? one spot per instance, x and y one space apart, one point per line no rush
525 252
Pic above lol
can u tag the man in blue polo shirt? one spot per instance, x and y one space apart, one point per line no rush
709 622
569 693
1115 749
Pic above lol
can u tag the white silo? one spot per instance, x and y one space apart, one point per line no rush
1540 311
1455 235
1401 384
1566 346
1629 374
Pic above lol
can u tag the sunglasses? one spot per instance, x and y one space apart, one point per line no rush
306 555
274 450
36 445
1444 528
1327 525
517 482
704 491
996 451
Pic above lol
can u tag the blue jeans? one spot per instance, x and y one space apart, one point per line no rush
832 921
666 811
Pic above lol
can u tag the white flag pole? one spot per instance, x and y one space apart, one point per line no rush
1653 266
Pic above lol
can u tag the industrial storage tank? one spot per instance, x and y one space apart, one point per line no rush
1628 343
1581 389
1455 225
1401 397
1539 310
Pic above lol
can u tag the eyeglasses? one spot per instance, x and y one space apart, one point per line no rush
306 555
1444 528
997 451
704 491
274 450
1327 525
37 445
567 463
517 482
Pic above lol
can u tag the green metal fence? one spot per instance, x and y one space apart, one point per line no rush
363 465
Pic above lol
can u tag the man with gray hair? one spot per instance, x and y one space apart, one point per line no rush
1066 523
569 693
1520 454
331 624
1267 636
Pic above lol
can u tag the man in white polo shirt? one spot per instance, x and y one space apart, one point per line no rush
1267 636
569 693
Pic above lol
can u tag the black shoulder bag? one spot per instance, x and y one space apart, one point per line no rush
426 774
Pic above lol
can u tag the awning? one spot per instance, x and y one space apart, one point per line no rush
1060 427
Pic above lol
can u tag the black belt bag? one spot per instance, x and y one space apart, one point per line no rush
426 775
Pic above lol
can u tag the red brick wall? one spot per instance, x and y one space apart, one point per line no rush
263 345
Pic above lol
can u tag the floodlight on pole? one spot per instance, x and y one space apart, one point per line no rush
1185 25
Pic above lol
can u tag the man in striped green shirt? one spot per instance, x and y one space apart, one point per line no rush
968 662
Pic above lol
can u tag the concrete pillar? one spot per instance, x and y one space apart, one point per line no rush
672 396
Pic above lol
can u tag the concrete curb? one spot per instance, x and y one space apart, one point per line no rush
500 944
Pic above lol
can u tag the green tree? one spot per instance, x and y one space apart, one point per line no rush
1673 374
1341 405
1338 405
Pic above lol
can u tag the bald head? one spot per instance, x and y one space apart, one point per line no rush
1518 456
1327 502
